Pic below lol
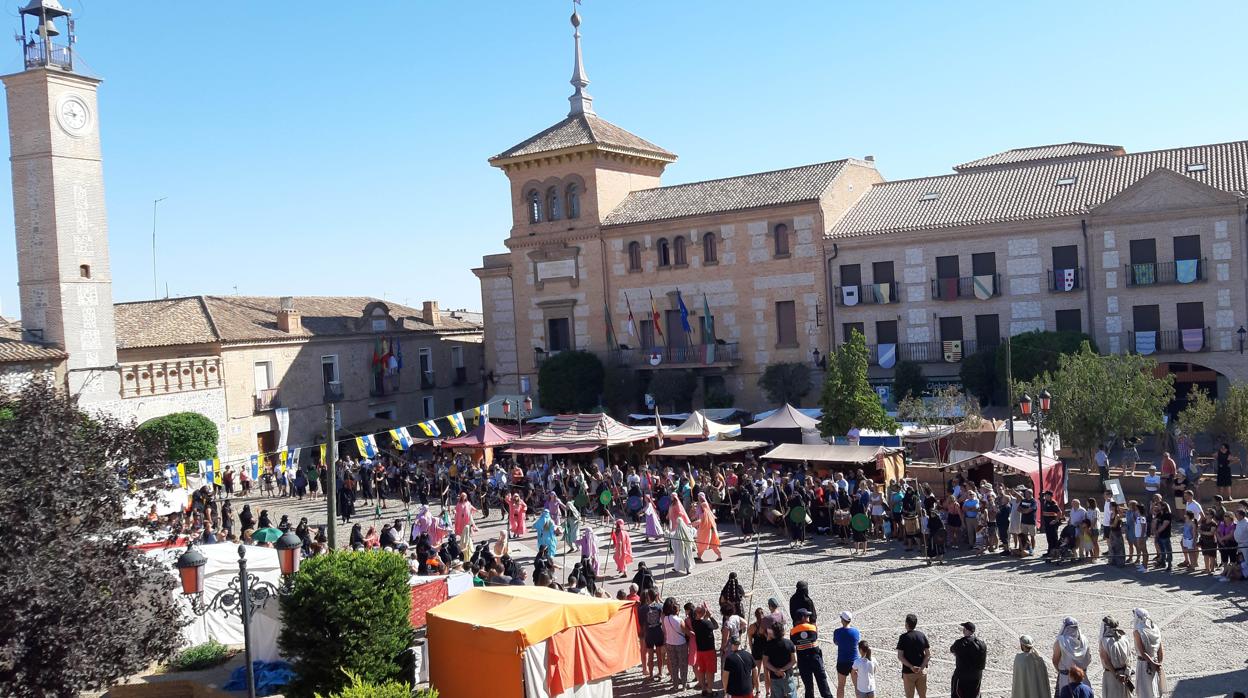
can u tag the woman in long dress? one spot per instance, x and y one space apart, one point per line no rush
571 526
683 540
553 505
516 515
1150 680
545 528
621 548
588 542
654 527
1116 656
464 525
708 532
1070 650
676 512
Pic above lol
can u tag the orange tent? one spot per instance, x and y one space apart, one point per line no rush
536 641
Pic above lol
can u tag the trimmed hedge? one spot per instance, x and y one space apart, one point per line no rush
186 436
346 619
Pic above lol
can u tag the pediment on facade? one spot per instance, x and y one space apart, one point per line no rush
1164 190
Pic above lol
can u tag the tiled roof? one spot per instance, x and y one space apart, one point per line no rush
1021 193
13 349
207 319
1042 153
162 323
586 129
805 183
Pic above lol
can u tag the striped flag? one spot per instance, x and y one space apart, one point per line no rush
430 428
401 437
367 445
171 472
654 318
632 324
457 422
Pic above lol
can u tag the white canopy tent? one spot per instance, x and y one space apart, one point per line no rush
698 426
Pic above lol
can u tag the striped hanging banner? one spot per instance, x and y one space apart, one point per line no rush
457 423
430 428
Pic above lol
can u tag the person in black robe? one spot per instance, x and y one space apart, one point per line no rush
644 579
801 599
357 538
970 655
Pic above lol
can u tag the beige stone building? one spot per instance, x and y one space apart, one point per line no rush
595 235
1142 251
269 364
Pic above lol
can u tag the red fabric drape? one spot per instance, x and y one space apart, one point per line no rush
590 652
425 597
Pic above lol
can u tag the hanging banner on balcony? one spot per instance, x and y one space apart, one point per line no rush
1144 274
882 293
849 295
656 357
1193 339
1066 279
1145 343
949 288
983 286
1185 271
887 354
953 350
457 422
282 415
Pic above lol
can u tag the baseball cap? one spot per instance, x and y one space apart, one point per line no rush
847 616
969 626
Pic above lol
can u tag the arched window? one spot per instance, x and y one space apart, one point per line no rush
710 254
634 256
681 258
782 240
554 211
573 199
665 253
535 206
84 270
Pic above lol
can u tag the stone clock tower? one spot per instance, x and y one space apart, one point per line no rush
58 206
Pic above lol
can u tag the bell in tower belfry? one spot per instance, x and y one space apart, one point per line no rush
39 19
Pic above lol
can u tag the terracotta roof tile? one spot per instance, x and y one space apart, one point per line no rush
1039 191
1042 153
805 183
14 349
585 129
162 323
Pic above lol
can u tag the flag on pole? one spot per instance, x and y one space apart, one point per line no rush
632 324
367 446
612 343
684 313
457 422
658 425
708 330
654 317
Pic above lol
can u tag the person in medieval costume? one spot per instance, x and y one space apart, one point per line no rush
1150 679
621 548
554 506
545 528
588 543
515 516
676 512
708 532
464 525
684 539
439 529
571 526
1031 674
1070 649
654 526
1116 656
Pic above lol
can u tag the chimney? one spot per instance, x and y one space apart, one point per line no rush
430 314
288 319
869 158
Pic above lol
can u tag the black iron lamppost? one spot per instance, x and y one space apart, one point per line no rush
523 409
1241 332
1036 419
245 592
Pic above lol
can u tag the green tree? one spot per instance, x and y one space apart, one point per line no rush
1035 353
347 612
672 389
81 607
848 400
908 381
718 397
1200 415
1097 396
785 383
933 415
1231 423
619 389
187 436
979 375
570 381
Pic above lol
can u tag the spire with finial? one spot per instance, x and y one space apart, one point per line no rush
582 103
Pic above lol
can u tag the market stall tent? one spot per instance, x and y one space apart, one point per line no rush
698 426
707 448
530 642
787 425
889 463
1023 461
580 433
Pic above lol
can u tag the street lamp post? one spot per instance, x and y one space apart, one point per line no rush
1036 417
522 409
245 592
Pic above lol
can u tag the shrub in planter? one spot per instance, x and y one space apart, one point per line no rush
360 688
202 656
347 612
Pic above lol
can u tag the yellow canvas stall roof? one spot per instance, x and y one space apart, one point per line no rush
532 613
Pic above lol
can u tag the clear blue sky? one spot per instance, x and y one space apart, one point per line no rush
341 149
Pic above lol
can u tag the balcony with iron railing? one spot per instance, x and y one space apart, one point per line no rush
676 356
953 288
59 56
868 294
1192 340
267 400
1184 271
1058 283
926 352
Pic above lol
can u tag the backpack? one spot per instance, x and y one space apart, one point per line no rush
654 616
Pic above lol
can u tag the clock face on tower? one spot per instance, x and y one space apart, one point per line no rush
73 115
